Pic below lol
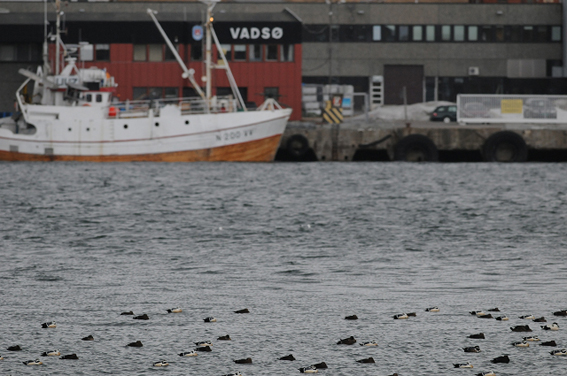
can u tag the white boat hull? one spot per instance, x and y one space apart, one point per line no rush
87 134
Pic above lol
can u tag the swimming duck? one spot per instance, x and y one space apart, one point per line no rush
174 310
477 313
432 309
321 365
224 338
36 362
14 348
351 317
549 343
127 313
189 353
477 336
495 309
560 313
51 324
367 360
210 319
347 341
486 316
489 373
243 361
502 318
1 357
501 359
245 310
463 365
553 326
141 317
204 343
540 319
521 344
531 339
233 374
70 356
472 349
527 317
163 363
561 352
203 348
88 338
520 328
287 357
51 353
135 344
412 314
308 369
401 316
369 343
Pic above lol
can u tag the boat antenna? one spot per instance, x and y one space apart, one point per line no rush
187 73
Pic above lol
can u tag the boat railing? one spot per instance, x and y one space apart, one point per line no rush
187 106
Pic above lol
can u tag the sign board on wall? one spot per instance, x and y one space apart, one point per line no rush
258 32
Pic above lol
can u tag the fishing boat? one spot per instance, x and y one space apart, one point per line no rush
73 116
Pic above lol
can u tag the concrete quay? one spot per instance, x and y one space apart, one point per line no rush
377 140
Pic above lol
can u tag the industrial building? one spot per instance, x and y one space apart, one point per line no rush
435 50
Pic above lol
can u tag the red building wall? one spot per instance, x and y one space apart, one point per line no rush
255 76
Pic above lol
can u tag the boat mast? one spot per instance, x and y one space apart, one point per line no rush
208 47
58 35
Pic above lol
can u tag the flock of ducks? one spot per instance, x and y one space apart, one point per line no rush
205 346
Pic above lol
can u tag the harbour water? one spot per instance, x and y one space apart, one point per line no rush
301 246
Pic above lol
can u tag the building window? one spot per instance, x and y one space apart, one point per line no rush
430 33
227 51
556 33
8 52
139 93
472 33
271 52
315 33
417 33
271 92
514 34
155 52
170 92
354 33
168 55
486 34
528 34
376 33
140 52
389 33
196 52
240 52
403 33
541 34
255 52
286 52
334 33
499 34
459 33
446 33
102 52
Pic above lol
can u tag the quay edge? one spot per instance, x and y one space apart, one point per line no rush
423 141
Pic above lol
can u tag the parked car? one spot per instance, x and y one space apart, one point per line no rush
539 108
445 114
475 110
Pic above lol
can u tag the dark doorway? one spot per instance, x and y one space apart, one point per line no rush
398 76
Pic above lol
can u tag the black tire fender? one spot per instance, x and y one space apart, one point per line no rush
416 148
297 145
505 146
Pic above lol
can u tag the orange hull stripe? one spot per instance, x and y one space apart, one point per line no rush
263 150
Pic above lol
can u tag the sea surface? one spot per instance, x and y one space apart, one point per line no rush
301 246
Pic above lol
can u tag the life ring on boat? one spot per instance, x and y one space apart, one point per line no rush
505 146
112 111
297 145
416 148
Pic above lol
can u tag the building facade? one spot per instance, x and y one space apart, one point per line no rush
435 50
